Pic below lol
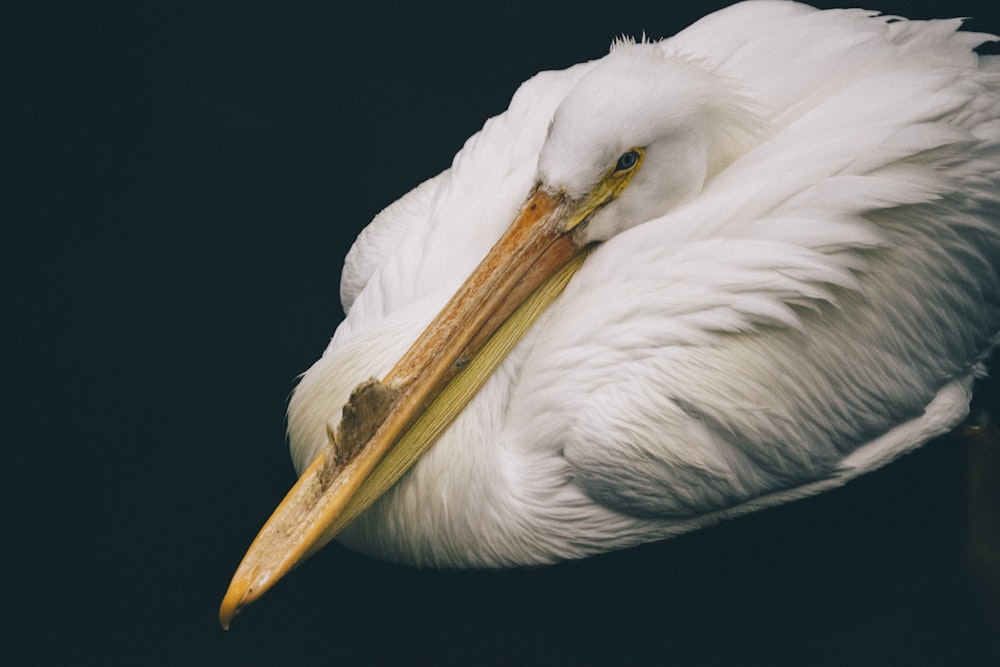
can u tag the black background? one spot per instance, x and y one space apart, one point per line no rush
183 182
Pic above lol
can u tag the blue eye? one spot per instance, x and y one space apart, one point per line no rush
627 161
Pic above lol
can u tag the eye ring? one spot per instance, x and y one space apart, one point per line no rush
627 161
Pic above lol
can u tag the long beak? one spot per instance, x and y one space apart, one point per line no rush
404 412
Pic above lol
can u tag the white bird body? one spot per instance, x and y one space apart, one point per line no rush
799 285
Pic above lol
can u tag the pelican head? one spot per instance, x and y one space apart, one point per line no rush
665 118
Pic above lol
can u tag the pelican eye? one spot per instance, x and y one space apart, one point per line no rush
627 161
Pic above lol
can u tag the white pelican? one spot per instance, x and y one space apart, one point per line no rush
785 226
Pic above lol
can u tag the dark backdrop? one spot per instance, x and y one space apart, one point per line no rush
183 182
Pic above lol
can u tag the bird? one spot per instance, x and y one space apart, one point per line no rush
688 280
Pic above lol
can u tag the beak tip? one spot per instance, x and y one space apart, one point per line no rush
234 601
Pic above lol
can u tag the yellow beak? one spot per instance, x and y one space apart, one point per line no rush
393 415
